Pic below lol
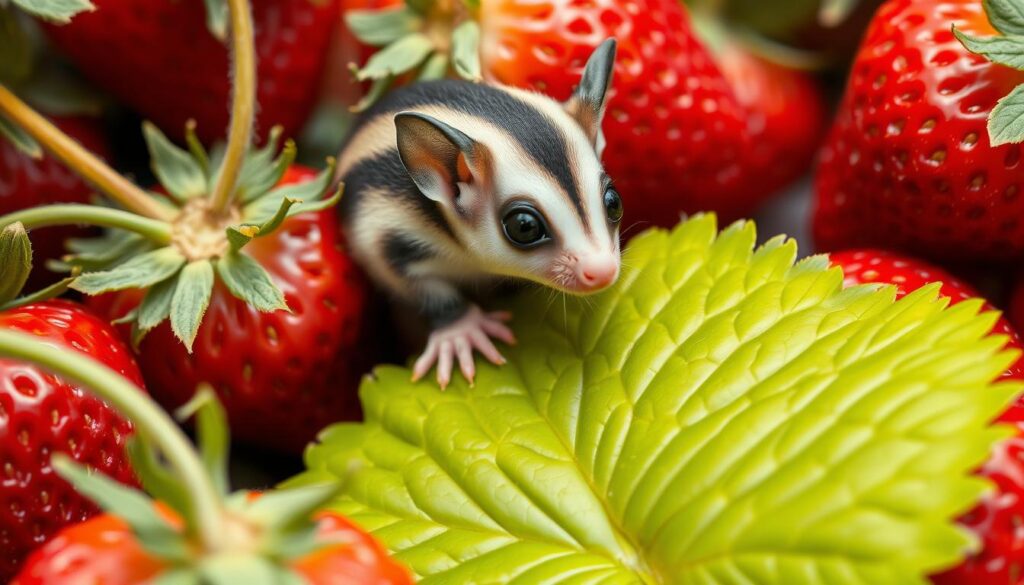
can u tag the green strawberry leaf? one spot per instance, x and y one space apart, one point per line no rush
113 248
177 169
397 58
44 294
1006 124
15 261
156 305
260 172
178 577
249 282
156 477
19 138
212 430
719 416
436 67
232 569
262 211
466 50
1007 16
190 300
132 506
58 11
1006 50
379 28
217 18
835 12
139 272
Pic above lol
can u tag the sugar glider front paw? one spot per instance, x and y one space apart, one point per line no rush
458 339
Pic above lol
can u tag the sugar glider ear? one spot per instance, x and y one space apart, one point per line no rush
587 103
439 158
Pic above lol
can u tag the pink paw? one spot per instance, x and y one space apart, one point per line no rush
457 340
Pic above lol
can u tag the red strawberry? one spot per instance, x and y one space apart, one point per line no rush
41 413
26 182
192 530
158 57
997 519
785 121
292 372
909 163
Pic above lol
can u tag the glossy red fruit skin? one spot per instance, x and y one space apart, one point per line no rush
785 122
908 164
676 133
104 550
41 414
158 57
281 376
997 518
26 182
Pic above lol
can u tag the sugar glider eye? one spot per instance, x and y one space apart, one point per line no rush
613 205
525 227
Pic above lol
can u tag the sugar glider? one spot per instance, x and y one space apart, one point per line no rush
452 183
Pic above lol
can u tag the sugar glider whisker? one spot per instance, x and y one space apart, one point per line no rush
451 183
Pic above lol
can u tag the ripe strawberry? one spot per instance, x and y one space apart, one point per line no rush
909 163
26 182
158 57
996 519
294 372
105 550
240 239
41 413
689 126
195 531
785 121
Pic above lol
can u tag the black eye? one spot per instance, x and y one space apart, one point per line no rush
524 227
613 205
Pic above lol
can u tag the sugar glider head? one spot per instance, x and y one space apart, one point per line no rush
521 181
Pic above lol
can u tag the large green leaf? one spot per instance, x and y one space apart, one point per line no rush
721 416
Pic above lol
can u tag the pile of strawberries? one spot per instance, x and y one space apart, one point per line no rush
226 266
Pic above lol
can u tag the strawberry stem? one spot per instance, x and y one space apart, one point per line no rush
81 161
148 418
70 213
243 104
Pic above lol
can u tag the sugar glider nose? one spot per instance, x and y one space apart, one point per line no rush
597 271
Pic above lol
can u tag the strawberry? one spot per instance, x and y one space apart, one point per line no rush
682 134
194 530
785 112
239 236
909 163
996 519
292 371
41 413
173 73
27 182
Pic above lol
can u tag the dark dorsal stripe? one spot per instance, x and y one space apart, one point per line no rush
535 132
402 250
386 172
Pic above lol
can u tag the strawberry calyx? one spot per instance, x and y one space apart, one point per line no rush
201 531
177 243
423 37
57 11
1006 121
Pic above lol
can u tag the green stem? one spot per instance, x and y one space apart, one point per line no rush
243 104
82 162
71 213
135 406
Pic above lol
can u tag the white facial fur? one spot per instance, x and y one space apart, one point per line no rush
557 263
